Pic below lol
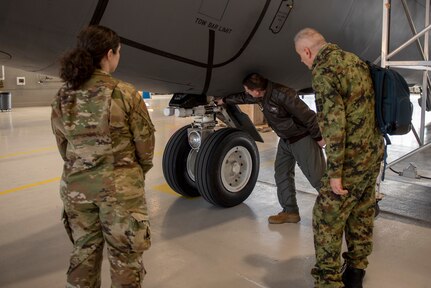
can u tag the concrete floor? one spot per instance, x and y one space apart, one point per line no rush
194 243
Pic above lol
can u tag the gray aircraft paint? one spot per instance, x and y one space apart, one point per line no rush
199 46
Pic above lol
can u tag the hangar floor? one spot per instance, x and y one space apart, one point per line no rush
194 243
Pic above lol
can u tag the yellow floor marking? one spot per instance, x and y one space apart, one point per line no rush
156 153
29 186
28 152
162 188
165 189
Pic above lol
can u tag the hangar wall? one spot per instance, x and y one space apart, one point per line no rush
29 89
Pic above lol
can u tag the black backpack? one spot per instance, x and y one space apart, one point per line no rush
393 108
392 96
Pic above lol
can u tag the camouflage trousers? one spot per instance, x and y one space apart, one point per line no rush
352 214
123 225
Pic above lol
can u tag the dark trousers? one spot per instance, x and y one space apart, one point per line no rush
309 156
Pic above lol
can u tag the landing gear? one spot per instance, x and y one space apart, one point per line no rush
220 165
227 167
224 170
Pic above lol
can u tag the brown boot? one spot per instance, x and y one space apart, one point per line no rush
284 217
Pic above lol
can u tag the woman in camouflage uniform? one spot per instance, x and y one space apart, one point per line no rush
354 149
106 139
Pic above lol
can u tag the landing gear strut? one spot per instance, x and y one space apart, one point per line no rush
220 165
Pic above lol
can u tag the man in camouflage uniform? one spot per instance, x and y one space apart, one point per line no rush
354 149
106 139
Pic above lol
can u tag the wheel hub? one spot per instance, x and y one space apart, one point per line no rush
236 169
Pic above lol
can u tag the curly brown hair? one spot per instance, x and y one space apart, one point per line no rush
93 44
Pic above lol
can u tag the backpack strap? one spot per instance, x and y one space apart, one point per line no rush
378 81
385 155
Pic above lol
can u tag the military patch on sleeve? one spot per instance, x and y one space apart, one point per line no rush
319 105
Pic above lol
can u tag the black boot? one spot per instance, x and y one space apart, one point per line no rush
352 277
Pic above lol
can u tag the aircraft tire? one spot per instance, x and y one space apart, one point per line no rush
176 163
227 167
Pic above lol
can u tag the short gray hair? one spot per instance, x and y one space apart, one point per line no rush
312 36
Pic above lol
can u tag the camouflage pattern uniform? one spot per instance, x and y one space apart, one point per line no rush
106 139
354 149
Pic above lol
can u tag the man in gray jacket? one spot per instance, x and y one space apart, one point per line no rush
300 139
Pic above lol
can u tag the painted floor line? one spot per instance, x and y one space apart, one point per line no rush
162 188
34 151
29 186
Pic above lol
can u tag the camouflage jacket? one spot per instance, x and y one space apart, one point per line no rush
105 137
288 115
345 112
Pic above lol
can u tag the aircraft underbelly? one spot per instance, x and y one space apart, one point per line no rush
197 46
